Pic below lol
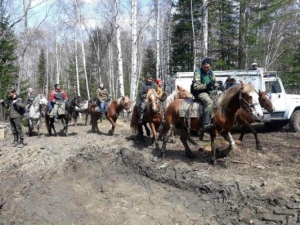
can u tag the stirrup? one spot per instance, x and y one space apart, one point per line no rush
208 127
140 121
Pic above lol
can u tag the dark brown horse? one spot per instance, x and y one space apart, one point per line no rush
245 119
112 113
153 116
239 96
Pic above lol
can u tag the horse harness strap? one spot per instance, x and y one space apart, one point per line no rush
249 105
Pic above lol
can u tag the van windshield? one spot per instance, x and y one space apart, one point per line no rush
273 86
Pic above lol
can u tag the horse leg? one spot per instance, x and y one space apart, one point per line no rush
187 149
29 128
38 127
66 127
113 125
201 135
224 153
165 141
257 141
147 129
213 154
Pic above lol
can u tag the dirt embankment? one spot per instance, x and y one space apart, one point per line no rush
89 178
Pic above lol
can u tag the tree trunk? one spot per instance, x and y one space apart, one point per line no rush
205 29
119 49
76 65
242 39
194 39
158 38
134 42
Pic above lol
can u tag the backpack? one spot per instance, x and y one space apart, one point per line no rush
21 110
192 90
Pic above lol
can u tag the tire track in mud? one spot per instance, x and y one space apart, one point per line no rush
85 182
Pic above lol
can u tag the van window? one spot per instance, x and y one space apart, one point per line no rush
273 86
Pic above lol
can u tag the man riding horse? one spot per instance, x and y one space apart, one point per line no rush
202 86
142 94
57 97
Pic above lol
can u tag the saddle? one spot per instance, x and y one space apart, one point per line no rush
191 108
61 110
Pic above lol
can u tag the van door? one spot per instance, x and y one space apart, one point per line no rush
277 95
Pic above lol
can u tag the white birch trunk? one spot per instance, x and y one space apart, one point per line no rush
166 38
119 49
47 74
110 70
157 38
76 65
205 29
57 62
194 39
133 80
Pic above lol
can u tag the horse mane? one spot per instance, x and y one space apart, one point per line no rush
170 98
229 93
151 91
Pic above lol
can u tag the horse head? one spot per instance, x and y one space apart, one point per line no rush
249 100
265 101
240 96
42 100
152 99
182 93
126 103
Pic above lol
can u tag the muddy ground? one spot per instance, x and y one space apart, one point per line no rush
93 178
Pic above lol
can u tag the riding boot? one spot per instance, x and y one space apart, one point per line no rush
15 143
103 115
43 114
207 126
141 117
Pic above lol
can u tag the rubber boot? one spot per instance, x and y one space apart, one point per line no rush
141 118
15 143
207 126
21 144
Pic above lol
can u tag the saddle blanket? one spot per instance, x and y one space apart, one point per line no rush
61 109
190 109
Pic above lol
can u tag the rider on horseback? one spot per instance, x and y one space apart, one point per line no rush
57 97
143 94
103 97
29 100
202 86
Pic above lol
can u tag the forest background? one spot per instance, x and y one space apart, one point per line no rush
79 43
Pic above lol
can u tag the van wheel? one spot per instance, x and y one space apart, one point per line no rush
295 121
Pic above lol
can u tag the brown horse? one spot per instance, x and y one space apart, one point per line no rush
153 116
239 96
245 119
114 109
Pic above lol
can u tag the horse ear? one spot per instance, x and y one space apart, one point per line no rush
177 87
250 83
267 90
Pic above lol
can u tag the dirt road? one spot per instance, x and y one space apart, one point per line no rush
90 178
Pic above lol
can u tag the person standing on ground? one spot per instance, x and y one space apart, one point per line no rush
16 107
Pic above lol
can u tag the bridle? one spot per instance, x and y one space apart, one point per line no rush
249 106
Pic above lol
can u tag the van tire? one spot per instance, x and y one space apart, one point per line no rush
295 121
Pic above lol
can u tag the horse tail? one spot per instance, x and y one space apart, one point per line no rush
184 132
134 119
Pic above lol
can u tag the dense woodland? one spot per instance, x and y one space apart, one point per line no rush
79 43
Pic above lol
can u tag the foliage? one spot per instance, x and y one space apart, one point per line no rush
182 56
42 79
8 59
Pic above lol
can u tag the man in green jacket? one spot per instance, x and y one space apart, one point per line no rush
16 107
202 86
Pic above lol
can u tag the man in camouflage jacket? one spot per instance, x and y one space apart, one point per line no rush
15 106
103 97
202 86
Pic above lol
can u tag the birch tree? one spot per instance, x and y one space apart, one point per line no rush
205 29
133 80
119 49
158 38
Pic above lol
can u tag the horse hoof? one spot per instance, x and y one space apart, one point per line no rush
191 156
259 147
